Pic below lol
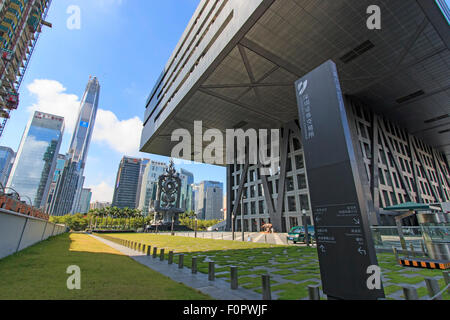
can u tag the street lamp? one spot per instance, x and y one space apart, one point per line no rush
242 217
195 225
305 225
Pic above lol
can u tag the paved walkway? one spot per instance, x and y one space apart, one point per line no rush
218 289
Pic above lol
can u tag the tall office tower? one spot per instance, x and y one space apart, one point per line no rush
149 185
144 164
187 180
20 27
209 199
126 187
68 190
7 156
34 167
60 163
85 201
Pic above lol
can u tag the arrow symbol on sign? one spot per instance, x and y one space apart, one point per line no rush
318 218
356 221
362 252
322 248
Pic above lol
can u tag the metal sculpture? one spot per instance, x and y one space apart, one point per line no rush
167 202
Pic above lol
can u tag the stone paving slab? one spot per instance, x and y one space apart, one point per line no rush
218 289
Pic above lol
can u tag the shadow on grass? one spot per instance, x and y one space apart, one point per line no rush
39 272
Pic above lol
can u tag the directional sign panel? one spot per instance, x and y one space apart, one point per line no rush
344 242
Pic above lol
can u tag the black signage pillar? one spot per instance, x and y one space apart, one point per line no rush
344 242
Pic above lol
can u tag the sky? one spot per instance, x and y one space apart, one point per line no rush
126 44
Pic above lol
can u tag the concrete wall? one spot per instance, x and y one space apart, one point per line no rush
18 231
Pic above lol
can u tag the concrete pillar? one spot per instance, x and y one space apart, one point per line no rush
211 273
447 279
433 288
155 252
161 255
314 292
181 261
233 277
410 293
266 293
394 250
194 265
170 260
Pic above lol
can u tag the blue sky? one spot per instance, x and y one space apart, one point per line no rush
125 43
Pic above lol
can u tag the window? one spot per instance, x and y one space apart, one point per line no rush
292 207
253 207
301 181
299 163
304 202
297 144
261 207
290 184
289 164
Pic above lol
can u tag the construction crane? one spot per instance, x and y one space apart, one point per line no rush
33 18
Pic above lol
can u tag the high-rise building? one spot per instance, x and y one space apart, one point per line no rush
149 185
100 205
126 188
208 200
20 26
7 156
187 180
60 163
85 201
34 167
68 190
144 164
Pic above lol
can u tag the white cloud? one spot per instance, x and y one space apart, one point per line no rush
123 136
102 192
52 98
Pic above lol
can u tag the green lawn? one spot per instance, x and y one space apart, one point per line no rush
292 268
39 272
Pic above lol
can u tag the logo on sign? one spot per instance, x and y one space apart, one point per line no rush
302 87
84 124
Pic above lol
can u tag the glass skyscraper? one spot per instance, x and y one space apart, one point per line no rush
68 189
126 188
7 156
33 170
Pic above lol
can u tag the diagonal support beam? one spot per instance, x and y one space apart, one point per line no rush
414 167
396 161
425 171
266 54
282 181
242 105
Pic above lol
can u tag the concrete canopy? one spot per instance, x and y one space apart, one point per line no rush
241 72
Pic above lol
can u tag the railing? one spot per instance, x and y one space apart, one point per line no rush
388 237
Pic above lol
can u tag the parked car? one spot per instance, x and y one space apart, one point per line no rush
297 234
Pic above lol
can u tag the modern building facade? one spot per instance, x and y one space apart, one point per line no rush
69 187
187 180
34 167
149 185
235 67
85 201
7 156
208 200
60 163
126 188
20 26
100 205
